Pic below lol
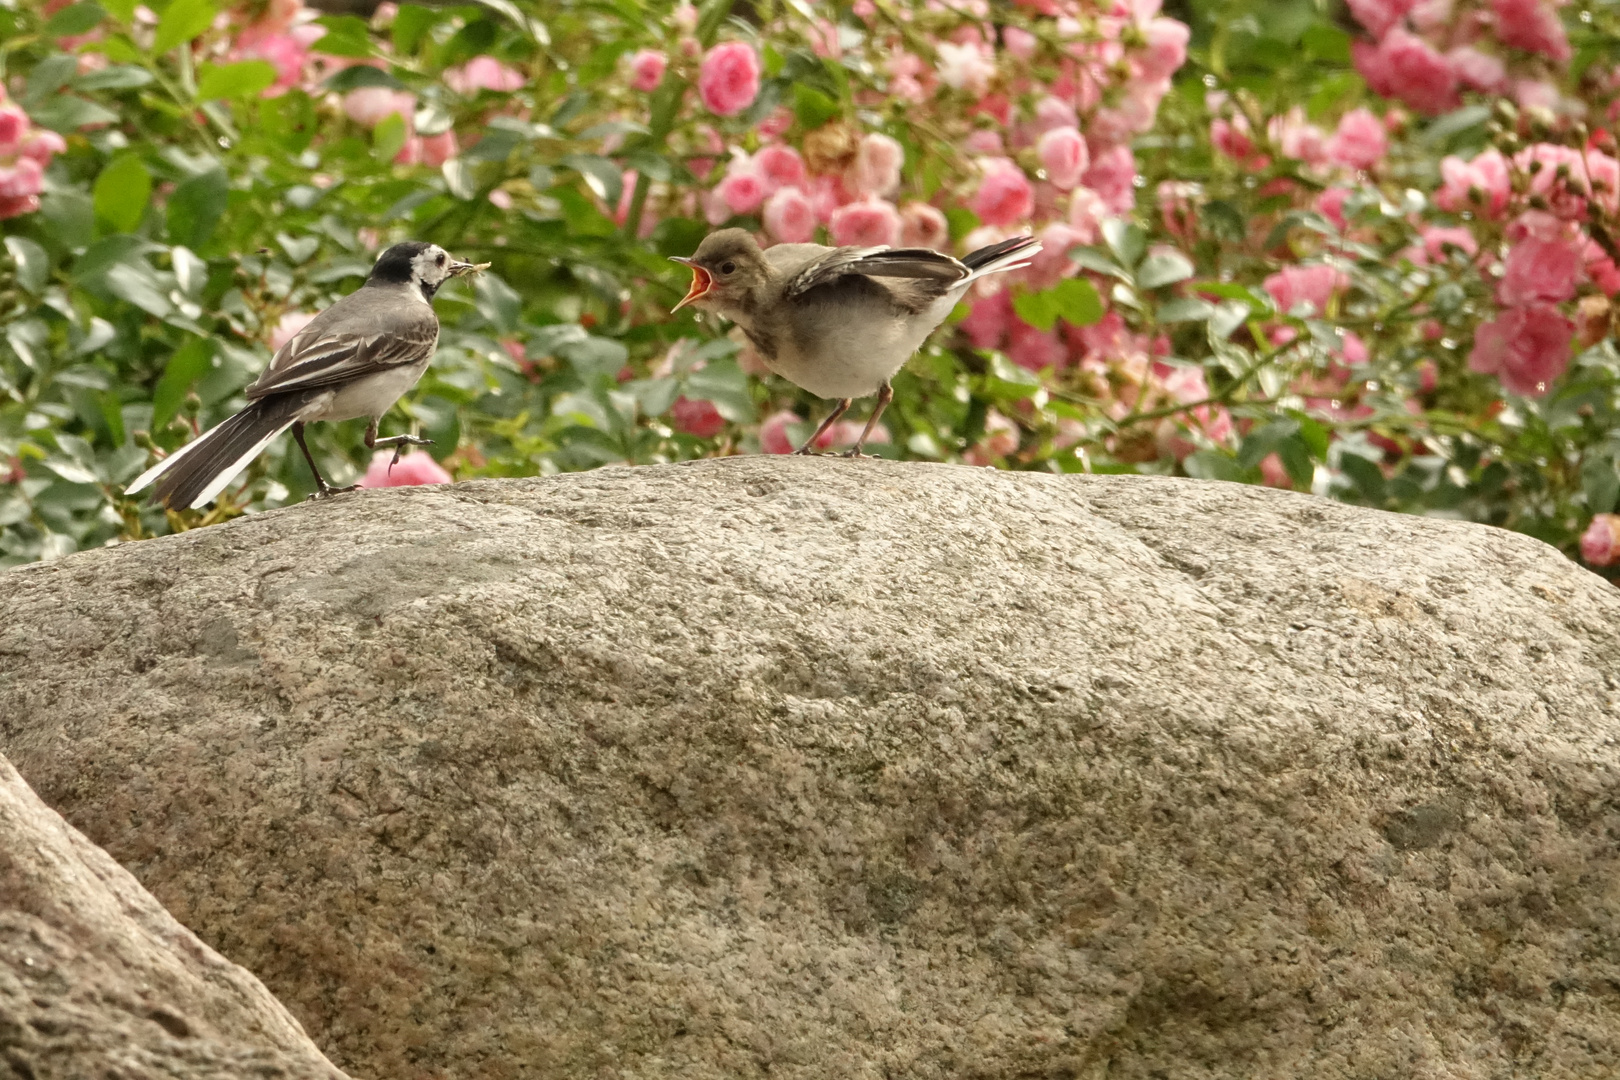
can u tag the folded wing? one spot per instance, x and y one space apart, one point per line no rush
915 264
370 338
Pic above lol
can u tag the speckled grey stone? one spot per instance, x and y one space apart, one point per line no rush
98 982
822 769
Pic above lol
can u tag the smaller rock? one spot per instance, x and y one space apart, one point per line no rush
98 981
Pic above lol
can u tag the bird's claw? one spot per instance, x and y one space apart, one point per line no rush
326 491
854 452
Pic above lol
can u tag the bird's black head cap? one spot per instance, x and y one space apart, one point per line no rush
394 266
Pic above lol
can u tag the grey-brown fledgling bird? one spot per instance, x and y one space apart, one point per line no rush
838 321
354 359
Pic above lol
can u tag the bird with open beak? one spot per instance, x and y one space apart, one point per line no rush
838 322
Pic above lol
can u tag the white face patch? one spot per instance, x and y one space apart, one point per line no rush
432 266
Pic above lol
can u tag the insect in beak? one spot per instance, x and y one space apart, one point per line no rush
456 269
702 282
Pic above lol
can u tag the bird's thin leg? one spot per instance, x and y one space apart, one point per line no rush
885 395
396 441
809 446
322 488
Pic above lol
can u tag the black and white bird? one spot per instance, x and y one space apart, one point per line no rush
354 359
838 322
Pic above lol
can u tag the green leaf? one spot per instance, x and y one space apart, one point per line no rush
1323 41
124 9
121 77
186 365
71 471
1212 465
1074 300
1364 473
601 175
66 113
74 20
182 20
1163 268
1125 239
1601 484
1228 316
1455 123
723 383
49 76
388 137
122 192
1266 439
353 78
411 25
345 35
140 288
811 107
242 80
459 179
594 356
498 302
1097 262
196 206
33 264
1185 309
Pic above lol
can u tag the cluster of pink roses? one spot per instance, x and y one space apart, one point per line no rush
25 151
1425 53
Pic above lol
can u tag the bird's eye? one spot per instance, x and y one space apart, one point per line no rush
727 268
441 258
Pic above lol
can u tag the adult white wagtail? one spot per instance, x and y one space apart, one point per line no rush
354 359
838 321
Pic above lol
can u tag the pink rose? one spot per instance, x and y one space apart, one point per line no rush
647 69
1035 349
1600 543
698 418
789 217
728 81
1064 156
743 189
21 180
876 170
17 206
1112 176
781 166
969 66
288 327
1165 50
371 105
412 469
1379 15
1312 286
1054 112
1004 196
773 433
1359 142
1482 185
287 52
1478 70
1330 204
923 226
867 223
1019 43
1541 270
1601 269
13 125
1297 138
1532 26
989 320
1406 67
41 145
1527 348
984 141
1052 264
483 73
440 148
1436 241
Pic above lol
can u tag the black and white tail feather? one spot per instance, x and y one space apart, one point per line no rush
197 472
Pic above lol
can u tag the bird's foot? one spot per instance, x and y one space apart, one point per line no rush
326 491
854 452
399 443
807 450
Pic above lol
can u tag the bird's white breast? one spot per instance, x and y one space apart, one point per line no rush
854 356
369 395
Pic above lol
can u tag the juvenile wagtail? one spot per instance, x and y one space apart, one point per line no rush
838 321
354 359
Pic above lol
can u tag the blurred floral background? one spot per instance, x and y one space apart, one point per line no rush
1365 250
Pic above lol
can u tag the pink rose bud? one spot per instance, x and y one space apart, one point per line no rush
1166 48
728 81
1330 204
743 189
985 141
1527 348
1005 196
1406 67
1064 156
1600 543
923 226
1533 26
877 166
411 470
867 223
13 125
789 217
1379 15
647 70
483 73
438 149
1541 270
42 145
698 418
1359 142
1020 43
371 105
22 180
1112 176
989 320
685 17
1310 286
1481 186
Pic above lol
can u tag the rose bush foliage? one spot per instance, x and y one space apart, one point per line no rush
1364 250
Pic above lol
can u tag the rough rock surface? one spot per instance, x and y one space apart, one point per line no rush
826 769
98 981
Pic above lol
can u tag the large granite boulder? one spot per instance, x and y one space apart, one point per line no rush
98 982
826 769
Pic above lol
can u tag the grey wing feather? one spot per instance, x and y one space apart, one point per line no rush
362 338
881 262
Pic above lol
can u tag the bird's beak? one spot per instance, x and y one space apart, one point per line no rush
702 282
456 269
